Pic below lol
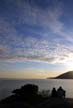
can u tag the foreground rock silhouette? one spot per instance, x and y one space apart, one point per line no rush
27 97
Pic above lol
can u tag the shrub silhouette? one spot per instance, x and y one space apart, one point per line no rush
26 90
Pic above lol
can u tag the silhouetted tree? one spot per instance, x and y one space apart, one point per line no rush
26 90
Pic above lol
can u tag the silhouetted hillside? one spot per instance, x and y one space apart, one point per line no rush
67 75
27 97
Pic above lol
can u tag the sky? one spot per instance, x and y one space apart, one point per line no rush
36 38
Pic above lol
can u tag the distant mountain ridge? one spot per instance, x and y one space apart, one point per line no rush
66 75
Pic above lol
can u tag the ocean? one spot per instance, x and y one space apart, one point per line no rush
8 85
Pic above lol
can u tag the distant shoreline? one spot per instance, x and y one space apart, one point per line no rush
66 75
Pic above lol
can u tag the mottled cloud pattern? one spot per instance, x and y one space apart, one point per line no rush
34 30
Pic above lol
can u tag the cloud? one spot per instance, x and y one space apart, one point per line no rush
46 18
34 50
18 46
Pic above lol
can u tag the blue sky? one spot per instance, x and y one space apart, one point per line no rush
36 38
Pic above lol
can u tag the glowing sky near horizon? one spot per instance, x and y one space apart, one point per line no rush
36 38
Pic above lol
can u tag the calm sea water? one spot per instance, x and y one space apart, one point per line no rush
7 85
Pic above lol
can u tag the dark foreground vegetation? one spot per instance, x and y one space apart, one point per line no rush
28 96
